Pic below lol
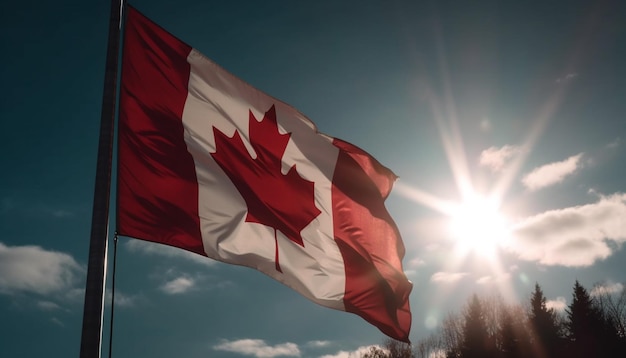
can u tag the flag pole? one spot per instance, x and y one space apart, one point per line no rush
91 339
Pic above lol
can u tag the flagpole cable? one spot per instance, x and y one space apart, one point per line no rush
91 336
112 294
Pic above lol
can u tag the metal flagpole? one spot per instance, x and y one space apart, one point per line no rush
91 339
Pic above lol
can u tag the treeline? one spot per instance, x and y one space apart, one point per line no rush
592 325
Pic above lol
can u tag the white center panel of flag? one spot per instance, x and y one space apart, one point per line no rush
218 99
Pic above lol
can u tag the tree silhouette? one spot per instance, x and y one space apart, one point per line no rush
489 328
612 308
390 348
476 341
452 335
508 336
544 325
375 352
398 349
612 303
514 338
588 332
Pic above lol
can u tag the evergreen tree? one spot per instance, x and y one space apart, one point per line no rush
587 329
612 304
476 341
488 328
509 337
543 322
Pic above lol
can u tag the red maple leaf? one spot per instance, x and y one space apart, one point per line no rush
283 202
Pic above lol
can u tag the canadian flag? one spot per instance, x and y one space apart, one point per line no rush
209 164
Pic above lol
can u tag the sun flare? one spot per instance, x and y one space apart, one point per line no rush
477 225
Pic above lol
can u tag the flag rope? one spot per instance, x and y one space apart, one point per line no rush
112 294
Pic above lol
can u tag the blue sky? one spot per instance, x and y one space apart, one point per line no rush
520 102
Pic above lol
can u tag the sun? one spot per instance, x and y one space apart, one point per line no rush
478 226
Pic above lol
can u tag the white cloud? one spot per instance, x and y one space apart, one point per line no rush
178 285
48 306
359 352
552 173
485 124
416 262
318 344
574 236
558 304
614 144
495 158
173 281
447 277
258 348
57 321
121 299
75 294
36 270
607 288
151 248
567 78
493 279
413 265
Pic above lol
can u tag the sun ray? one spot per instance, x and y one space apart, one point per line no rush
538 126
441 102
424 198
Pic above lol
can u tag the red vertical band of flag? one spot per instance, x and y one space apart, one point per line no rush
369 242
152 156
159 187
